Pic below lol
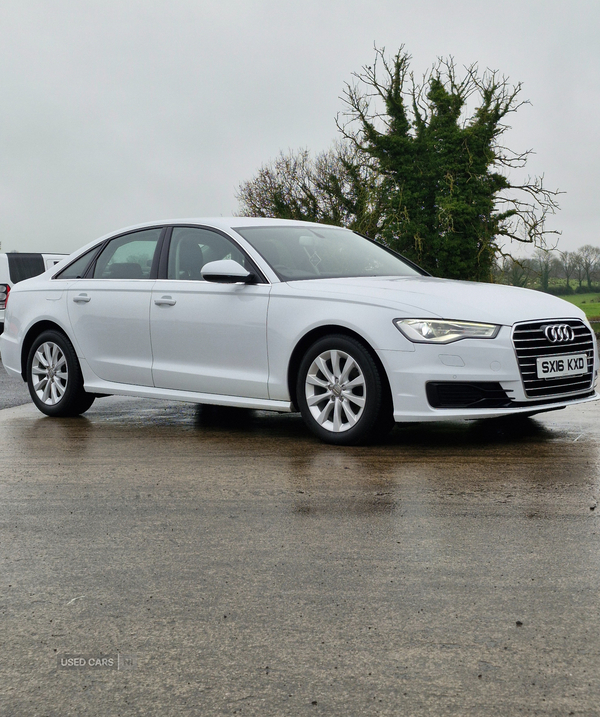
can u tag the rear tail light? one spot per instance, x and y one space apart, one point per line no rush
4 292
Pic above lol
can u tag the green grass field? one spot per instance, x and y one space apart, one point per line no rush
590 303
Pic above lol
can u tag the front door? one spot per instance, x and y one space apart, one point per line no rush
208 337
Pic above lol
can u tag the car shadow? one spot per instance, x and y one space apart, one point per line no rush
509 429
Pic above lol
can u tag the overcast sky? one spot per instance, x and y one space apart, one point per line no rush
114 112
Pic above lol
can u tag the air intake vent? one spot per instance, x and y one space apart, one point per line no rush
534 339
458 394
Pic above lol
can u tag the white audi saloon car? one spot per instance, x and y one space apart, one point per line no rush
284 316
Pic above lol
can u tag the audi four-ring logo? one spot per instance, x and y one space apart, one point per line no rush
559 333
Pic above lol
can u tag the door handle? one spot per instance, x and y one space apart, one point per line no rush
81 299
165 301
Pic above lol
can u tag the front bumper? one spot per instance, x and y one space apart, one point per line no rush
490 362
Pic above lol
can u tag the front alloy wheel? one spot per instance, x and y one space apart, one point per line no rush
340 391
336 391
54 376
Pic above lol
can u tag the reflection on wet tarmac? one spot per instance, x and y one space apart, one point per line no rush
450 459
459 561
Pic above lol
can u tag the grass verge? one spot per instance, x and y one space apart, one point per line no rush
590 303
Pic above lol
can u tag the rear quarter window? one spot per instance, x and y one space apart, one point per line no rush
78 268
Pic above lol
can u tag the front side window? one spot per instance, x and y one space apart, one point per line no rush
129 256
193 247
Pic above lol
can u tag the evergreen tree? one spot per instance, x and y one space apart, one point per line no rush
449 200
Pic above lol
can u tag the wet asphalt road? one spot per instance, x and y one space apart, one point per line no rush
13 392
249 570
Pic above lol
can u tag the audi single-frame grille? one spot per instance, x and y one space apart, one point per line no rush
535 340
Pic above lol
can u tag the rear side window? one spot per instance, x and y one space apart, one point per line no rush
24 266
129 256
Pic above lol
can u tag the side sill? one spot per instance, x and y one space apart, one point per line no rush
122 389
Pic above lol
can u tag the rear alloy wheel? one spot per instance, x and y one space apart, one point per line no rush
54 376
340 391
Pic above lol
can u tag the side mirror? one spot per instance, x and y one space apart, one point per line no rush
226 271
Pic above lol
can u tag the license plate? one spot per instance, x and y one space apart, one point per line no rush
557 366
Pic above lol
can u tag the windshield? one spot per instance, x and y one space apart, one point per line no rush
296 252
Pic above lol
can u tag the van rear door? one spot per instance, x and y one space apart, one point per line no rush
51 261
23 266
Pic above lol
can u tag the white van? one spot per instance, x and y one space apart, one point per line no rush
16 266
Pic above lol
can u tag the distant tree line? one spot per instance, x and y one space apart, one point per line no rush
420 166
553 271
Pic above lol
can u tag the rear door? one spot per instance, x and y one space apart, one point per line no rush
109 309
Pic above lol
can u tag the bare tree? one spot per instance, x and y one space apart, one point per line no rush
567 262
338 187
545 265
588 257
516 272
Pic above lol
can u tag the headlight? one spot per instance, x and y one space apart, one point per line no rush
437 331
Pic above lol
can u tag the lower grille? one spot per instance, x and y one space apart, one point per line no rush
530 342
456 394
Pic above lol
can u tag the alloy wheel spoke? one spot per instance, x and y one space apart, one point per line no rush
357 400
41 358
320 361
48 354
53 393
337 416
41 384
335 364
348 366
318 398
314 380
47 391
322 416
352 417
358 381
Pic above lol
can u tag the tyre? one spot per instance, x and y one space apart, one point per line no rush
341 393
54 376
